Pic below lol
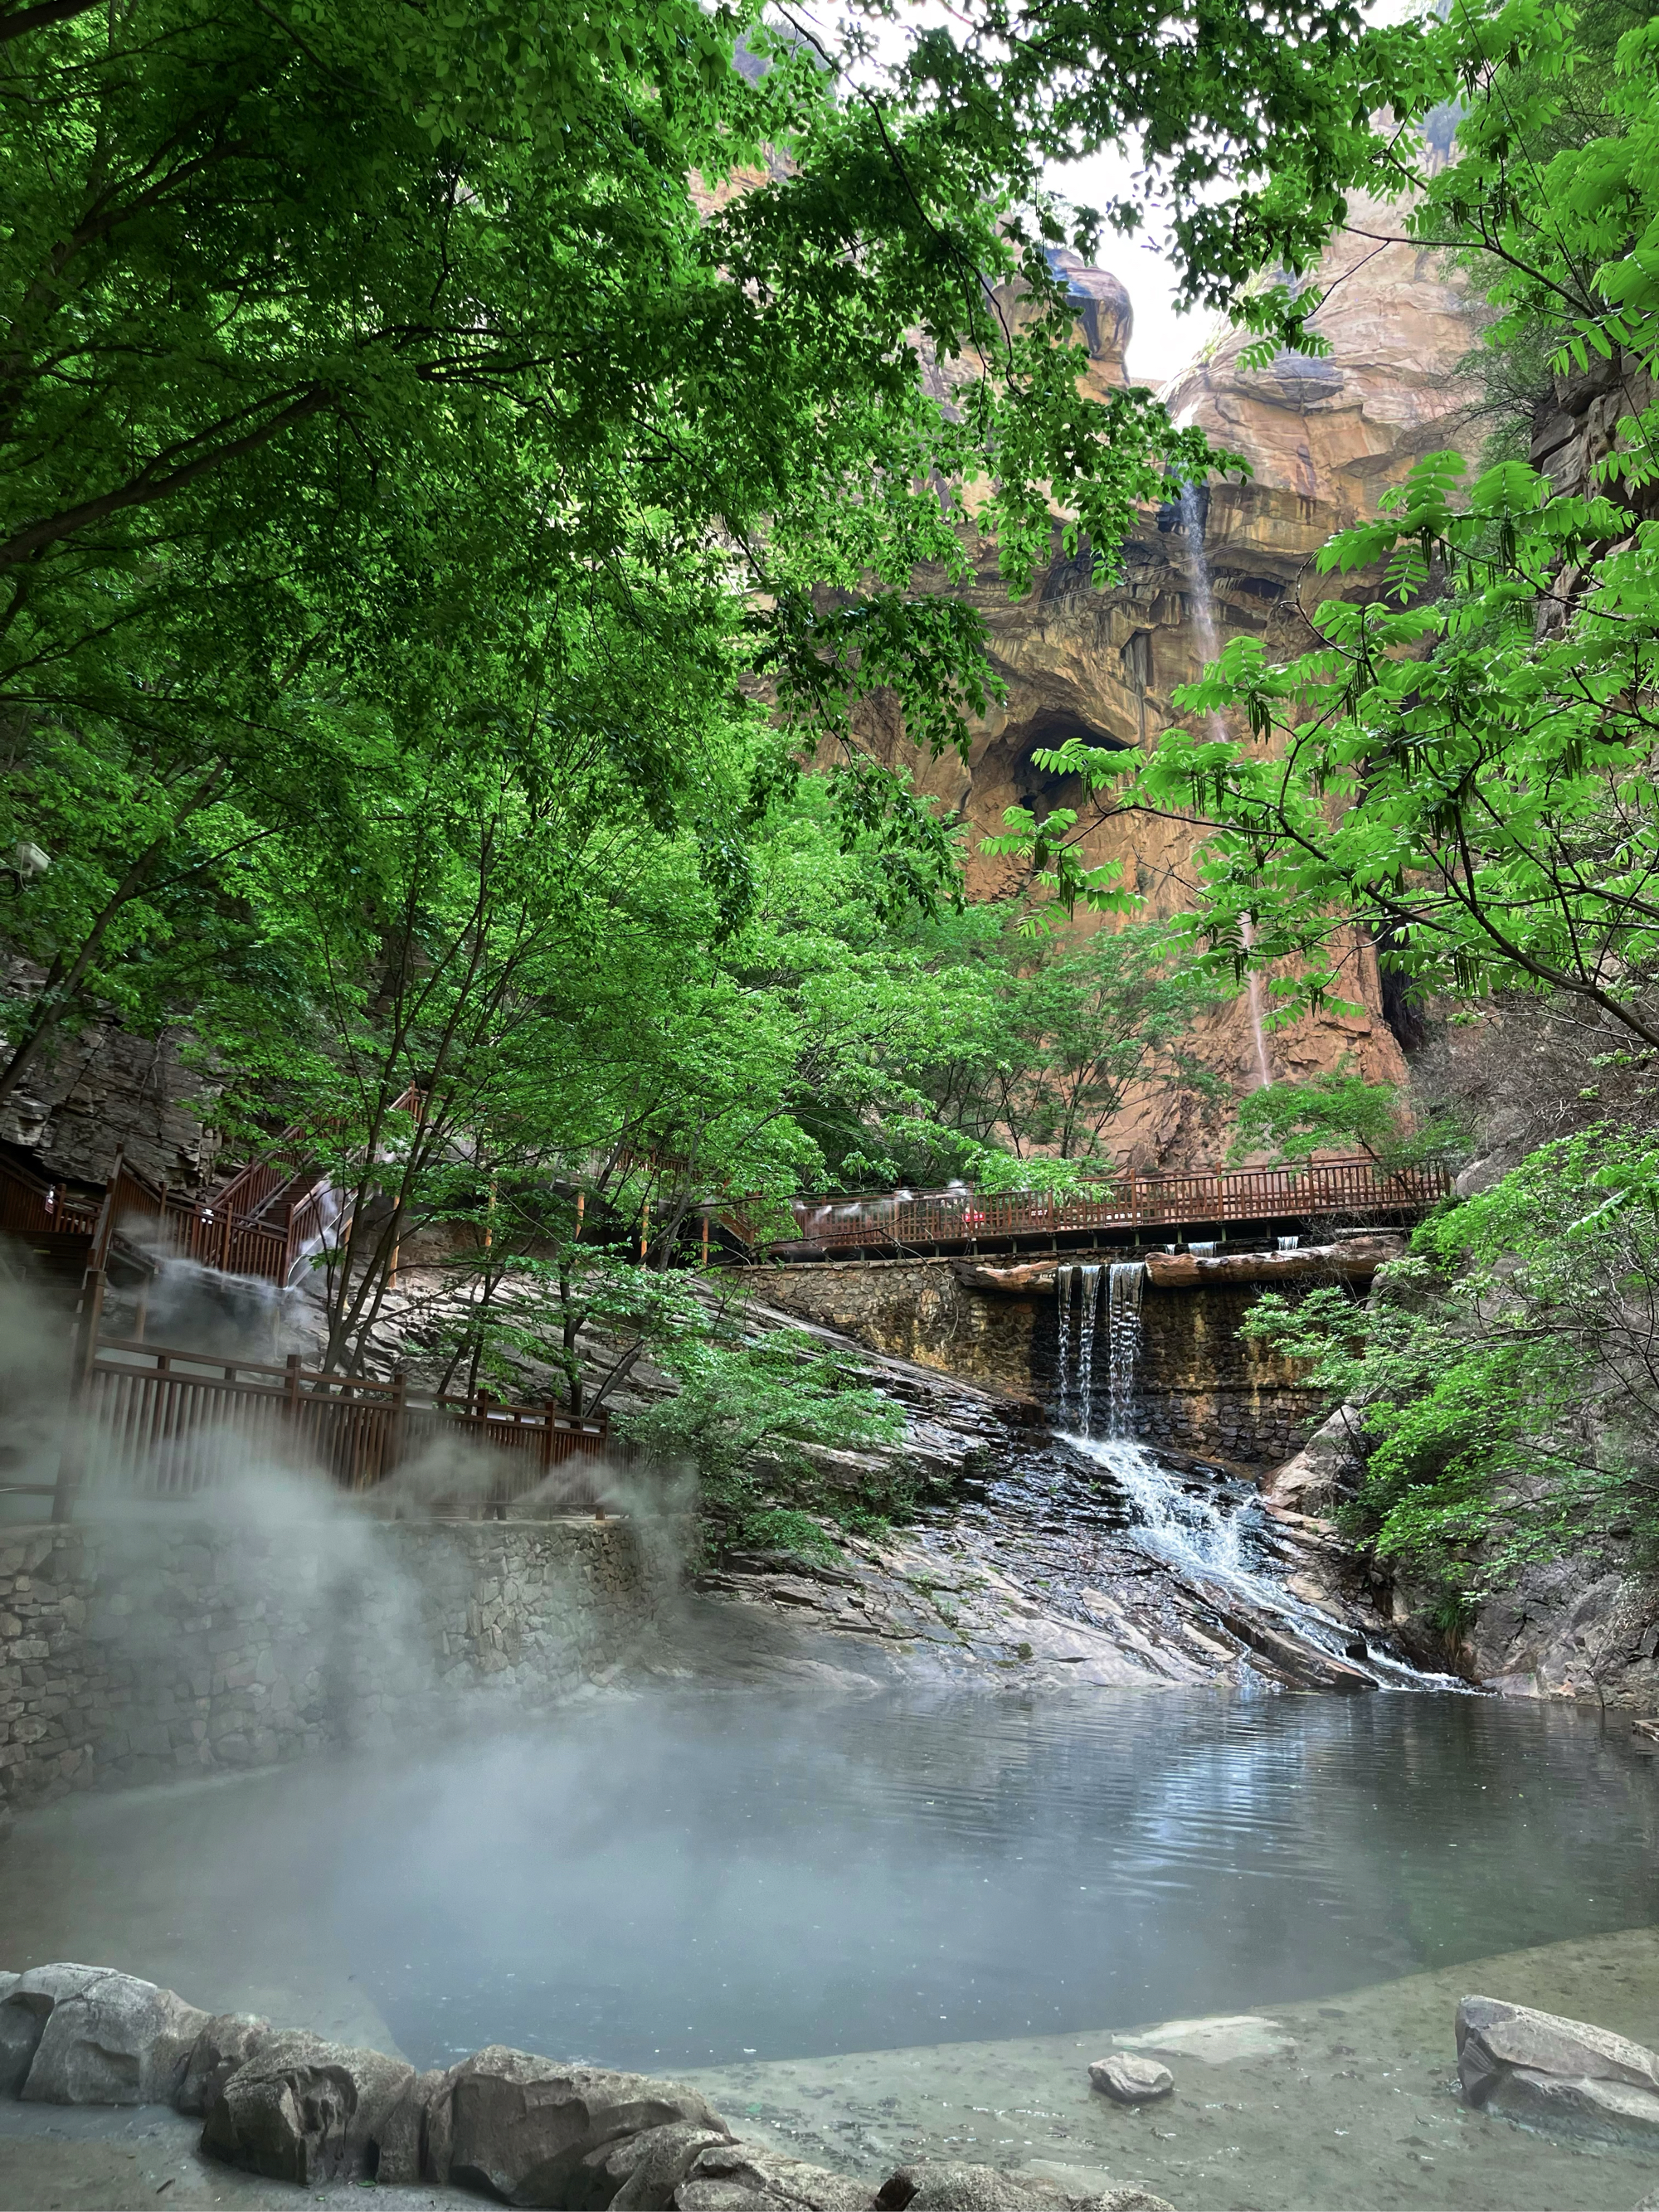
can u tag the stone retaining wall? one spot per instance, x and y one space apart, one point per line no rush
1200 1386
135 1651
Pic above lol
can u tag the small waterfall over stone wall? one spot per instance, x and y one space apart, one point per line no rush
1208 1529
1080 1287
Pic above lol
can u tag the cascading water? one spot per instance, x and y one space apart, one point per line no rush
1124 1286
1217 1540
1194 508
1289 1244
1088 1309
1064 1281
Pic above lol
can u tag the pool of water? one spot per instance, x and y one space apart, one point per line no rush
702 1879
681 1891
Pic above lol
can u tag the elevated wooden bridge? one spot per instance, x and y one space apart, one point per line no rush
1131 1211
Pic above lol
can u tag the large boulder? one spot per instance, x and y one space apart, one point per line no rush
26 2006
937 2185
117 2040
85 2035
522 2127
306 2111
639 2173
228 2041
742 2177
1566 2073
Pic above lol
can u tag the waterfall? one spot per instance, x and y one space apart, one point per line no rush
1063 1284
1124 1286
1194 506
1085 1343
1203 1251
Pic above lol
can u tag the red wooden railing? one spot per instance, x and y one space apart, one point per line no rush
1359 1187
156 1422
260 1222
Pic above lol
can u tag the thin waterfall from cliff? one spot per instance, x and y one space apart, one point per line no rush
1193 513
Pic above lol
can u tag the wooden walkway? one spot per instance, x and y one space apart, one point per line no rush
152 1422
263 1222
1357 1193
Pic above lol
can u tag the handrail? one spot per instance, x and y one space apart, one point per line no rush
904 1219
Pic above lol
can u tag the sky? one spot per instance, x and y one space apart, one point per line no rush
1163 342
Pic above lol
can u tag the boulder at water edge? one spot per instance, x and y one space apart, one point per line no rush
639 2173
739 2177
1128 2079
306 2111
937 2185
228 2040
522 2127
85 2035
1566 2074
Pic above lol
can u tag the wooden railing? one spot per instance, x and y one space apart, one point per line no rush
1358 1189
34 1206
240 1230
153 1422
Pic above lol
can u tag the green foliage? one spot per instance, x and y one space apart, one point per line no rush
770 1398
1297 1121
1506 1373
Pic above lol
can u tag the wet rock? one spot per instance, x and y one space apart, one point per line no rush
228 2040
20 2032
742 2177
400 2139
1128 2079
1570 2074
110 2039
522 2127
432 2094
639 2173
937 2185
307 2110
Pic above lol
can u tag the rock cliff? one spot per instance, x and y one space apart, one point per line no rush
1326 438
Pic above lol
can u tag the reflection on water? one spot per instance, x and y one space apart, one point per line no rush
651 1893
688 1882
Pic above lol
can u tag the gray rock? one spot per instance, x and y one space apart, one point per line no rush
431 2092
1577 2104
741 2176
306 2111
1494 2037
228 2040
25 2007
110 2039
639 2173
1128 2079
941 2185
520 2126
400 2139
936 2185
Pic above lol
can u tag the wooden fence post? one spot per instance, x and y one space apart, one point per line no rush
394 1441
84 1353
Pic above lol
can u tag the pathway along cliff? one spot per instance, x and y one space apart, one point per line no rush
1072 1550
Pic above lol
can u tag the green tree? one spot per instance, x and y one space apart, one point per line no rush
1507 1373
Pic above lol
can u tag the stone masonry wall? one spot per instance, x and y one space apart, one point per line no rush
135 1651
1200 1385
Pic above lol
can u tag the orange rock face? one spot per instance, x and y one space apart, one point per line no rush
1326 438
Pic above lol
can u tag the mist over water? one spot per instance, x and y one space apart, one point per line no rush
683 1882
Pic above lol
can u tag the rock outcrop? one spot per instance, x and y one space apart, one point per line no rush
521 2130
1563 2074
307 2110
